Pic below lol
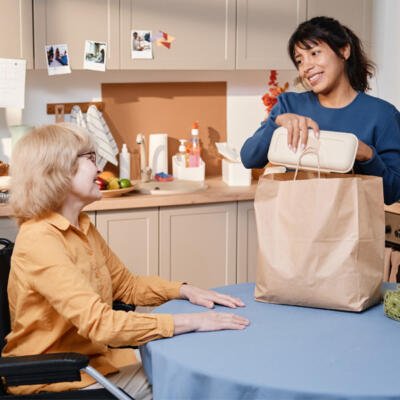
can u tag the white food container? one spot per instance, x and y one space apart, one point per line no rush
337 151
235 174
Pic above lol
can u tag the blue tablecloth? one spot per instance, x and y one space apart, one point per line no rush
286 353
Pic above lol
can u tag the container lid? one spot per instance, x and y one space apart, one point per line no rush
337 151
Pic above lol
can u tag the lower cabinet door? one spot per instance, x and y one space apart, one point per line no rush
198 244
133 236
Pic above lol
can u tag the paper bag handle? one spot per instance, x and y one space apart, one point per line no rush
308 150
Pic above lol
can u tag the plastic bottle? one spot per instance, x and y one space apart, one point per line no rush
124 163
182 155
194 147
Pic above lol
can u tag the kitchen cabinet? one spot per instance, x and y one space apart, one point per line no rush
195 244
133 236
204 32
356 14
263 30
247 242
265 26
72 22
210 34
16 30
198 244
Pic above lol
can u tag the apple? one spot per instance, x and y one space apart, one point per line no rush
102 183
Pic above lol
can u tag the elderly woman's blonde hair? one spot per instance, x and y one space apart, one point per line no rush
42 166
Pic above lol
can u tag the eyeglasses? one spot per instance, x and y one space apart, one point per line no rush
91 155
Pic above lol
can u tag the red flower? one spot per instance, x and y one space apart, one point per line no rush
270 99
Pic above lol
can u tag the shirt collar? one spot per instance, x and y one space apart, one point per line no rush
62 223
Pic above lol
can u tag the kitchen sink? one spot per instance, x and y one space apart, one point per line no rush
172 187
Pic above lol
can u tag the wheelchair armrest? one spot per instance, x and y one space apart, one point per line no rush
42 368
119 305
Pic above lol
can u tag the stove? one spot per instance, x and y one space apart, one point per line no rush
392 230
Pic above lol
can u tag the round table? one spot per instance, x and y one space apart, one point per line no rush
287 352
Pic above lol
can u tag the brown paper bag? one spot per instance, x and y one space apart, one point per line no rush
321 241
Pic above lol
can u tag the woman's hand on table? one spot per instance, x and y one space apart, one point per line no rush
297 127
208 321
208 298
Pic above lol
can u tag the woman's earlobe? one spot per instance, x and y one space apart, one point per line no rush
346 52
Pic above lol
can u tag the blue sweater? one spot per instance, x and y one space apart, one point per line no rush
374 121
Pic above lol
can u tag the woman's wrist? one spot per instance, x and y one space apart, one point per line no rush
364 153
184 323
183 291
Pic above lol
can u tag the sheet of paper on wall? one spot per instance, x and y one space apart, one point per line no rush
57 59
12 83
141 46
95 55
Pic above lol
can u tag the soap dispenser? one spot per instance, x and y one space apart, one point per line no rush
182 155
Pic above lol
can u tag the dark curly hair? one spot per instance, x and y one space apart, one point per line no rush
324 29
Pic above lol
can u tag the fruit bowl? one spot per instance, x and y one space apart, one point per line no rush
117 192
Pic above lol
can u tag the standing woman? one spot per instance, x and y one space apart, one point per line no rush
331 61
64 277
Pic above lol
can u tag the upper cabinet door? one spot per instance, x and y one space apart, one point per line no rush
72 22
356 14
16 30
263 30
204 32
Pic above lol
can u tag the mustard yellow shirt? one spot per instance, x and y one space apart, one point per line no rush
62 283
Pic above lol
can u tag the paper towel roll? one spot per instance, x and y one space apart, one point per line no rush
158 153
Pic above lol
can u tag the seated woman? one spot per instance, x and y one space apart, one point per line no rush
64 277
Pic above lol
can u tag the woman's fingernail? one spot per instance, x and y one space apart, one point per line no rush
303 146
290 146
294 149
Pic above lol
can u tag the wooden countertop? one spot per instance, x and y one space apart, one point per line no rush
217 192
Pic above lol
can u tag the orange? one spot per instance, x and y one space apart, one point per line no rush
107 175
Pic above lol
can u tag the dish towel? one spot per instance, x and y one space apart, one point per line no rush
77 118
106 147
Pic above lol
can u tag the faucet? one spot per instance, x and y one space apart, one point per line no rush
145 171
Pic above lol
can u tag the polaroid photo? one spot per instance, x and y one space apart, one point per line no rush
57 59
95 55
141 45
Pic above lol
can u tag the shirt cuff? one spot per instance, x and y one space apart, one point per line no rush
173 291
165 323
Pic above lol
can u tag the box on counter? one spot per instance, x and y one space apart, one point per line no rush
179 171
235 174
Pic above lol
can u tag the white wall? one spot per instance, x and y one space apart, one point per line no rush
386 49
245 109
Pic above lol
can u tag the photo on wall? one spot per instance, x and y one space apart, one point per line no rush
95 55
141 45
57 59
